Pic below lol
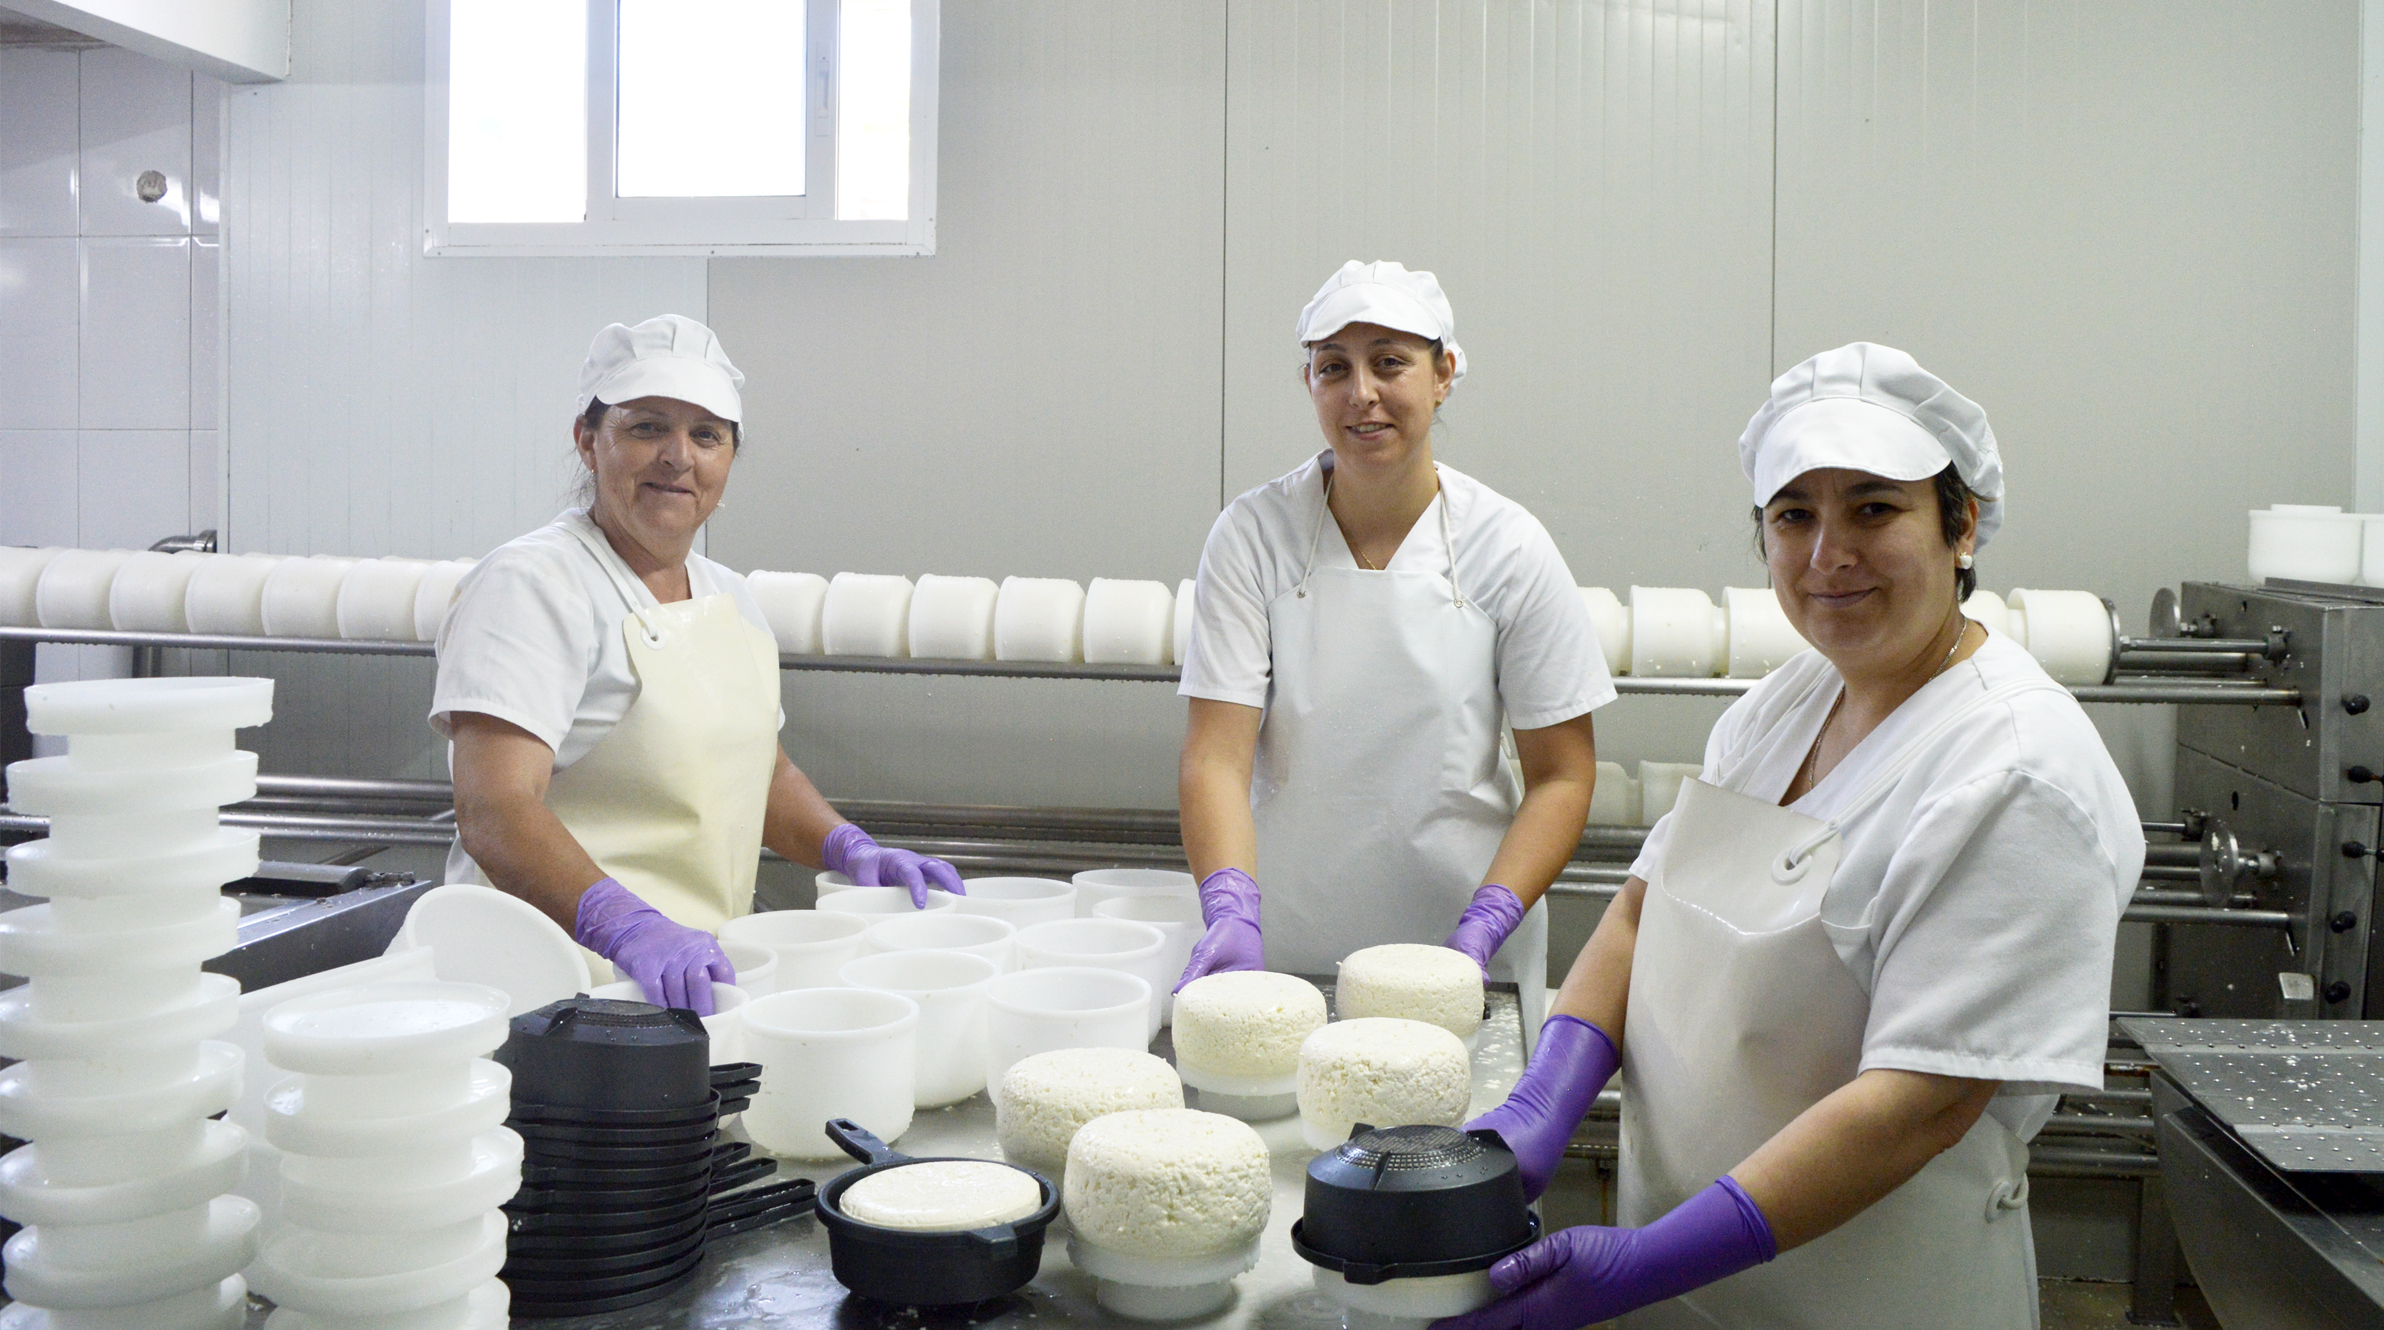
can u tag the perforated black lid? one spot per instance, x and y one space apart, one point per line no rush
1405 1148
1413 1195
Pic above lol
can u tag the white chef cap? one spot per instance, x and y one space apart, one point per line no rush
669 355
1385 293
1867 407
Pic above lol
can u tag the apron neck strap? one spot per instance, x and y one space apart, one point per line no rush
592 537
1448 534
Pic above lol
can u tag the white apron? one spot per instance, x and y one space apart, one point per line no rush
1741 1017
1378 790
670 802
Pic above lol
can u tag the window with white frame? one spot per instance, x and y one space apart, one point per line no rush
682 127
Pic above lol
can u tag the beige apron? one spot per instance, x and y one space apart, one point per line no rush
1741 1017
670 803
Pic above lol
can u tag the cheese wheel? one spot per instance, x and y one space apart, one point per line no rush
1676 633
1128 623
952 617
1039 619
1246 1024
1413 981
20 573
1612 623
791 605
943 1196
1170 1183
1043 1099
302 596
1760 638
376 600
148 593
227 595
1990 611
2069 633
866 614
1183 619
73 590
435 595
1383 1072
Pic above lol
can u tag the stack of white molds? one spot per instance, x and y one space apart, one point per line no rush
123 1187
395 1159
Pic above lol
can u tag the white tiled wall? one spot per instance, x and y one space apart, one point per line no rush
109 331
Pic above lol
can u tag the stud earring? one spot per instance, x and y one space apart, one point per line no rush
1961 561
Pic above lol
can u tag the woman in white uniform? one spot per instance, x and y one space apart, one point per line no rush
1871 944
611 697
1366 626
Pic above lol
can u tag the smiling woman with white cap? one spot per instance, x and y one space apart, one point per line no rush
1868 948
611 697
1366 625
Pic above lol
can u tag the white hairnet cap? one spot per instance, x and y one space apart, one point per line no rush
1866 407
1385 293
669 355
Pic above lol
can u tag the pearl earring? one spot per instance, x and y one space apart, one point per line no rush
1961 561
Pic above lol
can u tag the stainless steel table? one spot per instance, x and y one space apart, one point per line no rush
779 1277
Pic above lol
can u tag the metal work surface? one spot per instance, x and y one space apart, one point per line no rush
779 1277
2306 1096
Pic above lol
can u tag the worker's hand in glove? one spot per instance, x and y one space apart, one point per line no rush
1483 928
850 851
1229 906
1573 1062
674 964
1579 1276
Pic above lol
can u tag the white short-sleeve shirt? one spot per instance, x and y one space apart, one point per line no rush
1548 662
1978 903
534 637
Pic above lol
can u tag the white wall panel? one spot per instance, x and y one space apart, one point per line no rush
41 287
40 469
379 402
136 333
37 141
132 488
135 117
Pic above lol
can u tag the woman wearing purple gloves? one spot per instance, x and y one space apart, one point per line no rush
1870 945
610 697
1366 627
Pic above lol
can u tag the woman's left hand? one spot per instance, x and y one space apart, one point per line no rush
1484 926
850 851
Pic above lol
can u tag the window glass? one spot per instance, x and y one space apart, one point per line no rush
711 98
873 111
517 93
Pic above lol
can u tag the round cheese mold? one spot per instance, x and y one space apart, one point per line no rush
1164 1208
1413 982
1238 1036
1381 1071
943 1196
1043 1099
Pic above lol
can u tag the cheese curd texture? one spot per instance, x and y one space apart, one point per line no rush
1043 1099
1170 1183
1413 982
1246 1022
1384 1072
943 1196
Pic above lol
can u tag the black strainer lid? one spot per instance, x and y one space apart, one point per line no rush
597 1053
1412 1196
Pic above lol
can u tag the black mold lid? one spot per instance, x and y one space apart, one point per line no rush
597 1053
1409 1201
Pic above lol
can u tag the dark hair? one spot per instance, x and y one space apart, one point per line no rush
1953 522
593 418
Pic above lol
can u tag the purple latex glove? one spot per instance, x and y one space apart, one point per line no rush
674 964
1229 906
850 851
1583 1275
1483 928
1574 1061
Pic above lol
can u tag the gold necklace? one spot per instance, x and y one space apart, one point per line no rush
1813 758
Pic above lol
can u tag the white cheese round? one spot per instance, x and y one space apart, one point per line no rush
1245 1023
1413 982
1384 1072
943 1196
1169 1183
1043 1099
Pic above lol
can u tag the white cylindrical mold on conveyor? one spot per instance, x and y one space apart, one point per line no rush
302 596
1128 623
1614 800
1612 623
148 593
2069 633
124 1187
1989 610
791 604
952 617
227 595
435 594
866 614
2304 542
1761 638
1182 628
1039 619
73 591
376 600
20 573
1659 788
1676 633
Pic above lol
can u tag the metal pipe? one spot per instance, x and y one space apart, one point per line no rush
2209 694
2062 1156
996 669
217 642
424 791
2089 1124
2153 896
2203 914
2196 646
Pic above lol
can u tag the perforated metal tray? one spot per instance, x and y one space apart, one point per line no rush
2306 1096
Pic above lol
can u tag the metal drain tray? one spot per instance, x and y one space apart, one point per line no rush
2306 1096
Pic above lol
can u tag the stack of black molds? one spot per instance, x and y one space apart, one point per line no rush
623 1171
